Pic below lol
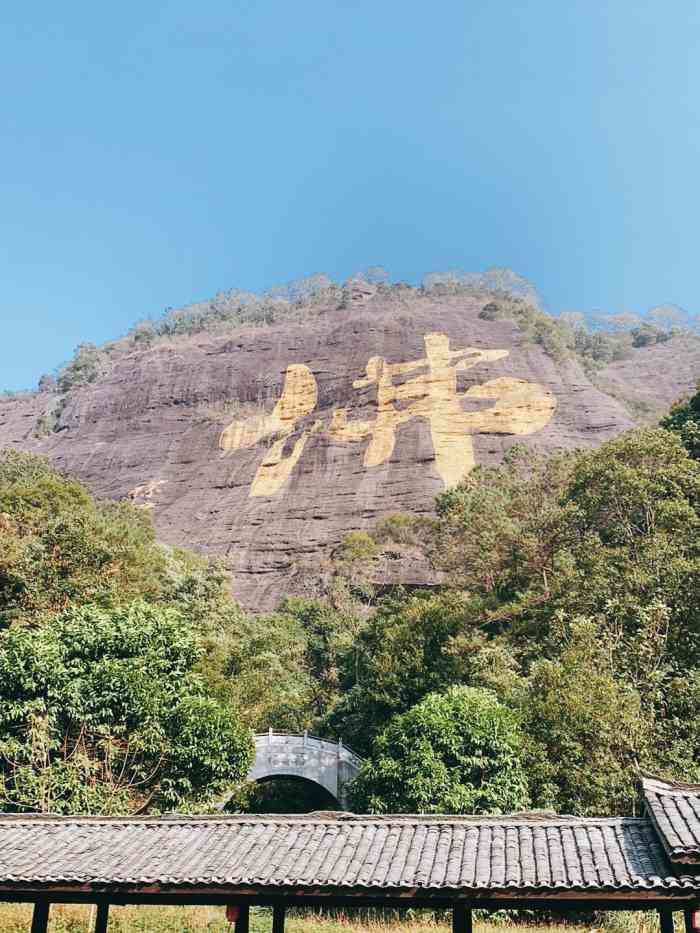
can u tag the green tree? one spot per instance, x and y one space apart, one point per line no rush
572 595
283 669
457 752
648 334
329 636
267 674
501 530
86 365
102 711
589 730
404 652
61 547
635 538
684 420
598 533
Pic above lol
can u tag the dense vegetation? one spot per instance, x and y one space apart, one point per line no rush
574 599
102 711
684 420
558 656
454 752
107 661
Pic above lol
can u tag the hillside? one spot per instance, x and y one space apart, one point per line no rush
653 377
265 445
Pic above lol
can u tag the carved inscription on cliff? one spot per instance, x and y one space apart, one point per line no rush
425 388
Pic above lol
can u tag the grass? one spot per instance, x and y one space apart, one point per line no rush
80 919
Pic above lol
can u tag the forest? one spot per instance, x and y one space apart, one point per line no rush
556 656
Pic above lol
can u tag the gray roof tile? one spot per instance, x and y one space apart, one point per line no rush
674 808
482 856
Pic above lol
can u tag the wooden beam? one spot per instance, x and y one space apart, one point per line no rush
306 897
102 917
666 920
461 920
40 917
294 899
243 922
278 919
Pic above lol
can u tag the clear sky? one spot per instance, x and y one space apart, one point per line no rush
155 152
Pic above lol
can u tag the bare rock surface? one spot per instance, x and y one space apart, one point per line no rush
265 446
655 377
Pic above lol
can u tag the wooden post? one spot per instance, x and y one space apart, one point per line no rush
666 919
40 917
461 920
278 919
102 917
243 922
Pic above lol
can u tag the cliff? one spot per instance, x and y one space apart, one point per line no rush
264 446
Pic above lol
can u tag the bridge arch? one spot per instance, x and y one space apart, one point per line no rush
331 765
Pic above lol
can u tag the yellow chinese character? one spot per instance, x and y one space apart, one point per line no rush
520 407
299 398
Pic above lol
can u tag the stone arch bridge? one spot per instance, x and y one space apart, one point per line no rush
331 765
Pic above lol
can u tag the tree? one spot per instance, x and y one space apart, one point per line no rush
102 711
329 636
589 730
634 508
573 596
455 752
283 669
648 334
684 420
403 653
597 533
85 367
500 531
61 547
267 673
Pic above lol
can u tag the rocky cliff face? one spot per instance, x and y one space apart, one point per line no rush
654 377
265 446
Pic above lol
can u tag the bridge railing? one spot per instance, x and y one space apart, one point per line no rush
268 737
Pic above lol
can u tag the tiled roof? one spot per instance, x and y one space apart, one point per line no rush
675 809
478 855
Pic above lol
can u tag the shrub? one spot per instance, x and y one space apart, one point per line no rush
456 752
102 711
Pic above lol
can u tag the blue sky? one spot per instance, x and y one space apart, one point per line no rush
154 153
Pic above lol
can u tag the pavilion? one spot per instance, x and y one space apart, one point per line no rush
338 859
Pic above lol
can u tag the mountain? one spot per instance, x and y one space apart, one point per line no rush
263 442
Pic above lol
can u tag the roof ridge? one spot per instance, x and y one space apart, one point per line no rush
667 786
259 819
